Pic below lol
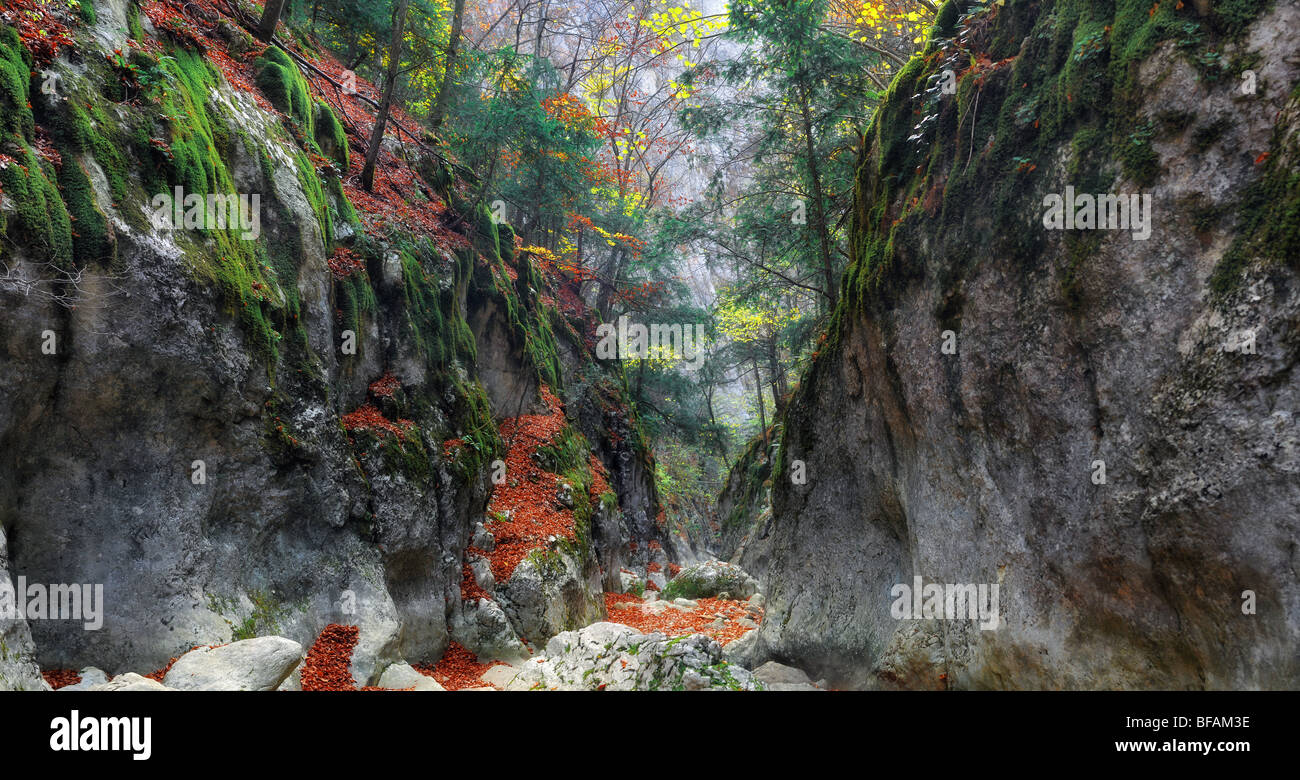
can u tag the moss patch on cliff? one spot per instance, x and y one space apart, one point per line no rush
1270 209
39 221
1031 79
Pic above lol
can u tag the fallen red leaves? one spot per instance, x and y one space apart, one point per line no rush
329 661
368 418
40 25
528 495
385 386
458 669
599 485
344 262
61 678
674 622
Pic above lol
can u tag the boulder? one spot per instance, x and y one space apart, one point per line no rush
551 591
260 664
131 682
403 676
90 677
615 657
779 677
711 579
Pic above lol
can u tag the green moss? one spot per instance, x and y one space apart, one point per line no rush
40 222
255 278
1073 79
278 77
749 473
1137 155
15 86
90 240
330 136
567 452
1208 135
133 22
1269 215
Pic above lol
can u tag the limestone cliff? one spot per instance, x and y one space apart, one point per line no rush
1102 424
244 437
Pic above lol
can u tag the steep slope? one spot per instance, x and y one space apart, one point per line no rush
243 437
1070 352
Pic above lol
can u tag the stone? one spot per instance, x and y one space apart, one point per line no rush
18 669
131 682
615 657
260 664
564 495
403 676
499 676
712 579
482 571
90 677
1110 447
772 673
483 539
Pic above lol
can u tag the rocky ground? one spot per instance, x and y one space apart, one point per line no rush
648 643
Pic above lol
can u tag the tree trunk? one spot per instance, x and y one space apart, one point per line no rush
390 84
713 423
444 91
270 18
609 285
779 387
819 204
758 387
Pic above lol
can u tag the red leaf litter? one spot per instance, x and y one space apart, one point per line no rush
344 262
458 669
329 659
528 493
599 485
673 622
41 26
368 418
385 386
61 678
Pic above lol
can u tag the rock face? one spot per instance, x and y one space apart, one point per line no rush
18 669
549 592
745 508
260 664
1111 437
215 440
614 657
